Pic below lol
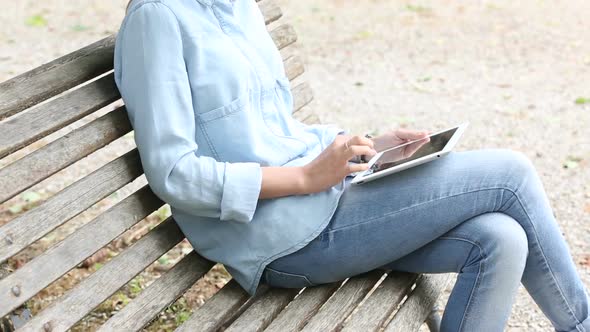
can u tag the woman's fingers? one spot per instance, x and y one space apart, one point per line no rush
354 167
355 150
360 140
410 134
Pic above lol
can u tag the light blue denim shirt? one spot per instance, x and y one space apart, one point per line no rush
207 95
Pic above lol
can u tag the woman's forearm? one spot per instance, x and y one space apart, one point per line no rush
326 169
280 181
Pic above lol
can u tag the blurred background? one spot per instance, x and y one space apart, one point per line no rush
518 71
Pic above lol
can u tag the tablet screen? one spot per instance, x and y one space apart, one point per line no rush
412 150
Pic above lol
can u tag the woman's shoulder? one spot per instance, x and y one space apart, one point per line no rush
192 17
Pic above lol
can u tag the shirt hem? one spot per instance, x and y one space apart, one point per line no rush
254 286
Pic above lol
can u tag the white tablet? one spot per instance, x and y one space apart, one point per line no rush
410 154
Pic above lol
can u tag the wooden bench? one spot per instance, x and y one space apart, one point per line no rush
79 85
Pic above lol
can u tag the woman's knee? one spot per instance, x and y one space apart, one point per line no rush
500 168
502 240
516 164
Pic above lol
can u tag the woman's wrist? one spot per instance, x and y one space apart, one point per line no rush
302 180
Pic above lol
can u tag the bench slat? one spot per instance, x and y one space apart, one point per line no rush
304 112
84 242
293 66
263 310
159 294
333 313
92 291
49 117
68 71
304 306
419 303
302 95
311 119
383 301
216 310
35 223
283 35
270 11
55 77
64 151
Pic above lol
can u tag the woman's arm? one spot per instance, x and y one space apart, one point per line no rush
151 75
326 170
280 181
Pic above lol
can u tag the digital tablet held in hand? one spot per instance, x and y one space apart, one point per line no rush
411 154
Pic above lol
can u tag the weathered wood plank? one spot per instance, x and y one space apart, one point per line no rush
333 313
270 11
302 95
283 35
293 66
25 282
55 156
263 310
383 301
35 223
216 310
311 119
90 292
55 77
304 306
159 294
49 117
303 113
417 306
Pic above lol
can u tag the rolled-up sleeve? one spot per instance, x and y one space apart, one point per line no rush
151 75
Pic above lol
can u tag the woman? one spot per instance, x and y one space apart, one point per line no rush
269 197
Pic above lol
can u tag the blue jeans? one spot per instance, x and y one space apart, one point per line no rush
482 214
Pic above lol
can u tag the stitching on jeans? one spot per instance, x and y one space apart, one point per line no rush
292 274
482 252
413 206
480 272
477 283
544 257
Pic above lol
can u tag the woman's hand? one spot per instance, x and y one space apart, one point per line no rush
400 136
331 165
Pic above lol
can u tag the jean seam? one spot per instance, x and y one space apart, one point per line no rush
413 206
293 274
554 280
479 273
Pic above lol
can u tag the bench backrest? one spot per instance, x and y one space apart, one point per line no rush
43 103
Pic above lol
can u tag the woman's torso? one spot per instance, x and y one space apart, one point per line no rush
243 112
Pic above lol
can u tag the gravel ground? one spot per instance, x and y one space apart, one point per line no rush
514 69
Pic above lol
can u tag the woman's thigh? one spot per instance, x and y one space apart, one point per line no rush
494 236
381 221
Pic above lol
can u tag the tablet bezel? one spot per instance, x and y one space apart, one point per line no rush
361 178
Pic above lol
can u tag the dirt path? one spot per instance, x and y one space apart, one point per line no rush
514 69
